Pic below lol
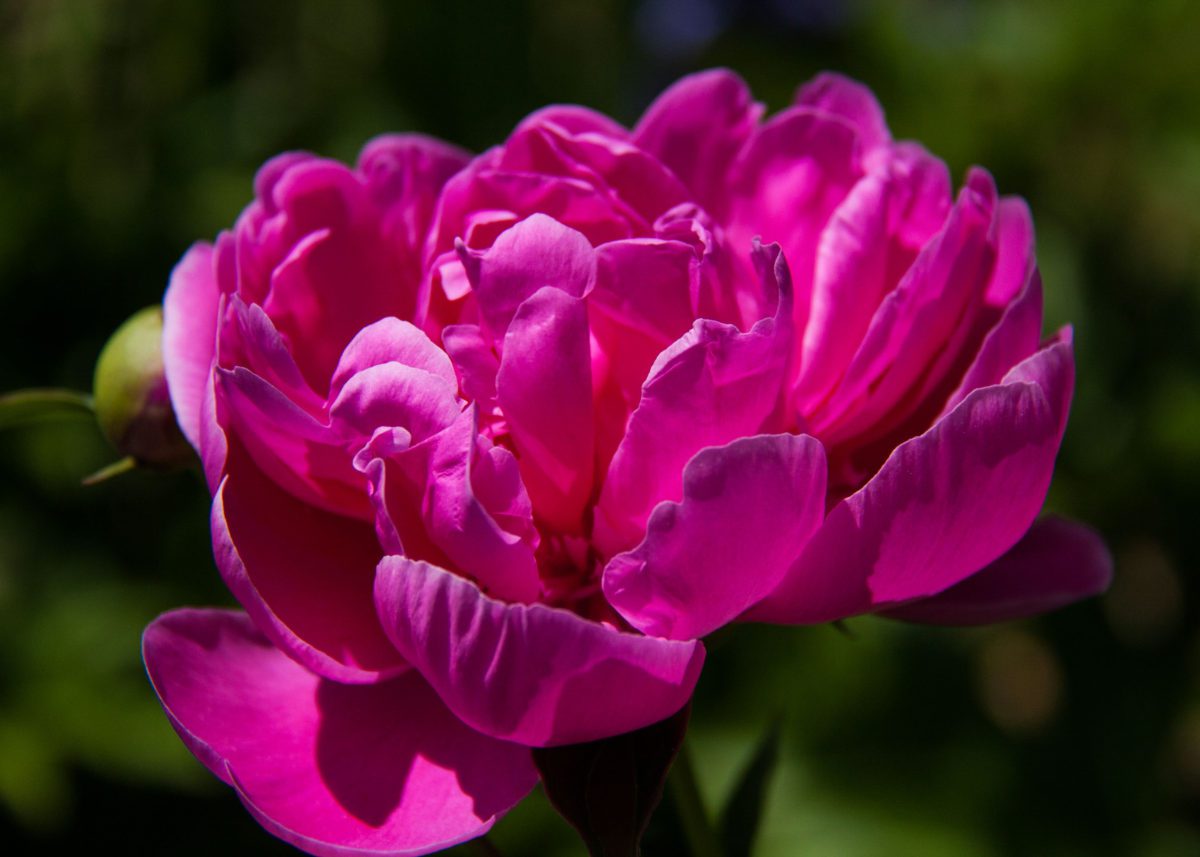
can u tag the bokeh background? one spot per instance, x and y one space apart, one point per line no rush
130 128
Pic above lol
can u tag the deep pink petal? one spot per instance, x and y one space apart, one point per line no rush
786 182
304 575
747 509
336 770
190 336
696 128
458 501
1057 563
545 389
850 100
390 340
944 505
713 385
539 251
575 120
533 674
393 394
475 361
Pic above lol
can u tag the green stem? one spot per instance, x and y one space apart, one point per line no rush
701 838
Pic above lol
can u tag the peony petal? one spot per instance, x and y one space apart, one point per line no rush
545 390
747 508
392 394
786 182
696 127
529 673
474 359
713 385
336 770
1057 563
189 338
390 340
849 100
303 575
944 505
539 251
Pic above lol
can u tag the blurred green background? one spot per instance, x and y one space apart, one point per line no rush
130 128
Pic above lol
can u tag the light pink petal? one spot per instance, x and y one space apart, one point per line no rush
850 100
944 505
190 309
390 340
305 576
336 770
474 359
533 674
539 251
1057 563
713 385
545 390
696 128
747 509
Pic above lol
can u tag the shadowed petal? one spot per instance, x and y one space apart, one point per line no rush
336 770
850 100
529 673
304 575
1057 563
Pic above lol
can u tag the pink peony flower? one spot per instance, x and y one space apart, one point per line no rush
492 445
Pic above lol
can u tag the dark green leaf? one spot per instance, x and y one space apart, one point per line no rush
742 814
607 790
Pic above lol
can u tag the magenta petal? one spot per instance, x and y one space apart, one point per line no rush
336 770
747 509
537 252
533 674
849 100
1057 563
713 385
697 127
392 394
474 359
190 336
944 505
304 575
390 340
545 389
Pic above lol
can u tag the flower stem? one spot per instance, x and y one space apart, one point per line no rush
701 838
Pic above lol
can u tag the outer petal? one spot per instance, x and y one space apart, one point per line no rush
545 389
850 100
944 505
712 386
333 769
190 309
747 508
1057 563
303 575
529 673
697 127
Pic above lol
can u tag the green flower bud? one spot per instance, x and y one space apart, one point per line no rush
130 391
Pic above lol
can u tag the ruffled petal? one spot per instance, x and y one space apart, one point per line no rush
533 674
713 385
747 508
336 770
696 127
190 309
944 505
305 576
1057 563
390 340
